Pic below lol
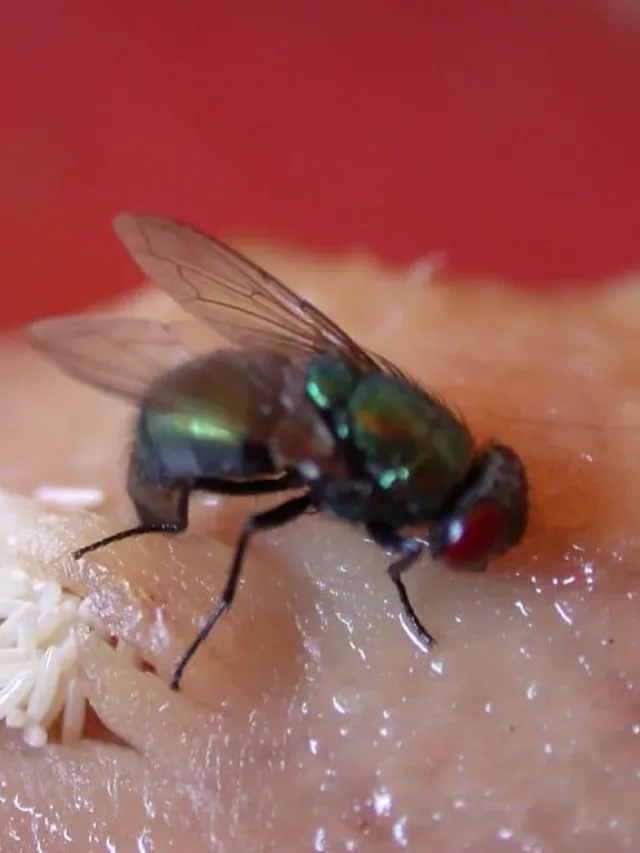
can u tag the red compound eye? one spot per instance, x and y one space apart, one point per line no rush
473 537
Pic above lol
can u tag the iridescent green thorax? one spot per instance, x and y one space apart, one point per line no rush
415 450
413 445
330 382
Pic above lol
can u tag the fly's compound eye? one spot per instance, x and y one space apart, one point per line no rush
468 541
489 516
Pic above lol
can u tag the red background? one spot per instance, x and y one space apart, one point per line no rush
504 133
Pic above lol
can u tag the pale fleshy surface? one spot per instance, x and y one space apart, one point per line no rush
318 725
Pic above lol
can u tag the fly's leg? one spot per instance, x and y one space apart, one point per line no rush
140 530
179 500
220 486
409 550
166 510
275 517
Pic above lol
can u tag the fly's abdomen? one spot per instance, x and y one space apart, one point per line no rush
209 418
194 445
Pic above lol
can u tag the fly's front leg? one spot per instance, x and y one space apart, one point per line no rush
409 550
271 518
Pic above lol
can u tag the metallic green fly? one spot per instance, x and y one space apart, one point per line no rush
294 404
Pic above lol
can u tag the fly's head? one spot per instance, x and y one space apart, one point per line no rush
489 515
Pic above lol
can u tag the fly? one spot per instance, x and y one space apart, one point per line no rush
292 404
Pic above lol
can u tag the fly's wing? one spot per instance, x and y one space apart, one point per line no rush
241 301
115 354
278 331
246 389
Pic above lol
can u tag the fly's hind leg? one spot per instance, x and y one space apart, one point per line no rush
160 509
271 518
165 509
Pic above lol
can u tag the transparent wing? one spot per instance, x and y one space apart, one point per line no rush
388 366
241 301
248 390
116 354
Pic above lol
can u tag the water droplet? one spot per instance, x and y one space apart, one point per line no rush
399 831
338 705
562 610
382 802
320 841
504 833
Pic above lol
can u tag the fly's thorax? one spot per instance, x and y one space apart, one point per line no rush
415 450
307 438
312 439
330 382
375 447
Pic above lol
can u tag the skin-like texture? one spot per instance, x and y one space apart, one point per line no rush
310 721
